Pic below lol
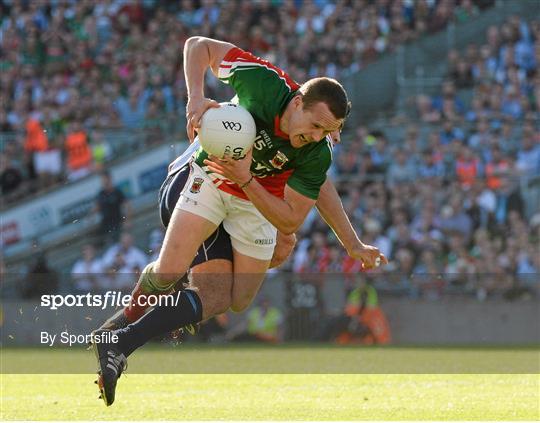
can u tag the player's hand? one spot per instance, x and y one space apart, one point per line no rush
195 108
236 171
369 255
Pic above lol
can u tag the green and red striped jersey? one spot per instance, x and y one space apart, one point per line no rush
265 90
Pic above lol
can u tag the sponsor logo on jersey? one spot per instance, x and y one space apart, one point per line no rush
232 126
196 185
262 140
279 160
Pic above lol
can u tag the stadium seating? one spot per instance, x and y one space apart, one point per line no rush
115 139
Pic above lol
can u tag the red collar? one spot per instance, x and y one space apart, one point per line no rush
277 130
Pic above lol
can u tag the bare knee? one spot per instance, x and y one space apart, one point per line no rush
214 290
284 246
240 306
241 301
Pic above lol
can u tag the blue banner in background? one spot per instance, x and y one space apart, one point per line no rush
151 179
76 210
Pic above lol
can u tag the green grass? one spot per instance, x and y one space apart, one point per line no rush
288 358
270 396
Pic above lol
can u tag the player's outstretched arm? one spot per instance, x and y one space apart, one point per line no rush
200 53
331 209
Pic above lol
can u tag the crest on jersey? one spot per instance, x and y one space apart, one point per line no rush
279 160
196 185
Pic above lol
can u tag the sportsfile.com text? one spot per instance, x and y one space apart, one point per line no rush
108 299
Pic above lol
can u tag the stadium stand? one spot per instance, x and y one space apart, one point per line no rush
83 61
458 187
442 186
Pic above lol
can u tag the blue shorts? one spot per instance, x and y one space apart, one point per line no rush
218 245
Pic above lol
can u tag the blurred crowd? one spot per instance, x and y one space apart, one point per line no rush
72 71
450 195
452 198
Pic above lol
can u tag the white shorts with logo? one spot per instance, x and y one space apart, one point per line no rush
251 234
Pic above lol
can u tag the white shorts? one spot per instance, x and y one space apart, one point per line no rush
251 234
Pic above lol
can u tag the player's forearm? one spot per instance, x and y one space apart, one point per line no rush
331 209
277 211
196 61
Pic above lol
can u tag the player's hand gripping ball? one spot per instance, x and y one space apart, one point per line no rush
227 131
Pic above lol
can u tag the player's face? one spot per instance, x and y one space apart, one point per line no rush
311 125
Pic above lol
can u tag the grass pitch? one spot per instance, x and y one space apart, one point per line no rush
269 396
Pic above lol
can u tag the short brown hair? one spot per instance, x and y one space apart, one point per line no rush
328 91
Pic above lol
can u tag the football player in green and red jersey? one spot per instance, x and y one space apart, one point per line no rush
271 189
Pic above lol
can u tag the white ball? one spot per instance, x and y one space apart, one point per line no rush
228 130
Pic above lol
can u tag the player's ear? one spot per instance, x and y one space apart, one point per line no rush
298 101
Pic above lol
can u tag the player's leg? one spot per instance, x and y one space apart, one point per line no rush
211 269
212 273
206 296
249 274
213 276
216 246
177 252
284 247
197 215
253 240
209 294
